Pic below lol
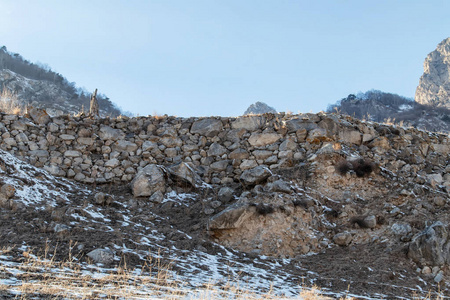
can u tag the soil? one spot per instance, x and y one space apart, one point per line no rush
368 268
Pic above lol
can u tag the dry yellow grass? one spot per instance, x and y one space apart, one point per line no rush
44 277
9 103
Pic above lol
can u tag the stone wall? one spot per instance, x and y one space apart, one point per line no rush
114 150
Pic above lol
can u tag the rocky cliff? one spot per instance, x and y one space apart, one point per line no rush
434 85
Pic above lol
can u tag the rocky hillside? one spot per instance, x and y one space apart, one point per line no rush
379 106
39 86
434 85
273 201
259 108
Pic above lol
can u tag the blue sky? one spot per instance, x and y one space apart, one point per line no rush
216 57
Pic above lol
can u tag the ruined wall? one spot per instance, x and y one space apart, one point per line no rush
114 150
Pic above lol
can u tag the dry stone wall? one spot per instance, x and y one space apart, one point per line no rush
221 149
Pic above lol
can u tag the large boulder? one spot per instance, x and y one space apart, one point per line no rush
207 127
230 218
255 175
148 181
185 173
432 246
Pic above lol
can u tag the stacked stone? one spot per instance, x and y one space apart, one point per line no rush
221 149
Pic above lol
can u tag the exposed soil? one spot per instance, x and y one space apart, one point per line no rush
173 231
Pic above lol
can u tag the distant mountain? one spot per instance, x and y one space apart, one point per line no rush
259 108
379 106
37 85
434 85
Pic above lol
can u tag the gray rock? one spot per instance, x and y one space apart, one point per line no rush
185 172
300 124
370 221
434 179
215 204
112 163
149 145
99 198
39 153
101 256
350 137
380 142
216 150
148 181
401 229
8 190
281 186
431 246
108 133
225 194
263 139
317 135
248 164
52 169
255 175
343 238
171 142
288 144
67 137
219 166
262 154
123 145
208 127
39 116
238 154
71 153
250 123
230 218
157 197
439 276
61 228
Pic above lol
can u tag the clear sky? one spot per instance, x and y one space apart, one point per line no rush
216 57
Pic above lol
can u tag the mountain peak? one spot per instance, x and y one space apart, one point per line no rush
434 85
259 108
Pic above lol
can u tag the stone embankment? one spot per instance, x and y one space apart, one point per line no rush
220 149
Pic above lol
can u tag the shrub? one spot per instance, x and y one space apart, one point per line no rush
343 167
264 209
361 167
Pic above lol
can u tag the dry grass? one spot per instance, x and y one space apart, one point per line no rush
10 104
46 278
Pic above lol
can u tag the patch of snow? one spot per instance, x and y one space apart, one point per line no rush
182 198
405 107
